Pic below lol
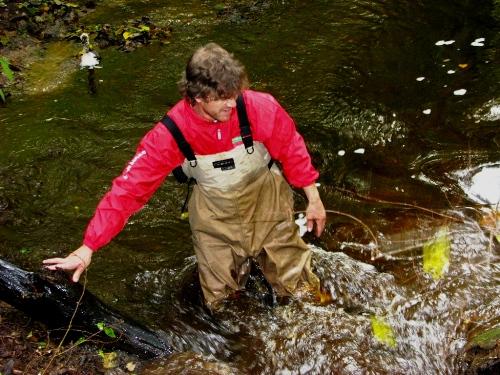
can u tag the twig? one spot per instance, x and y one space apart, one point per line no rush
56 352
368 198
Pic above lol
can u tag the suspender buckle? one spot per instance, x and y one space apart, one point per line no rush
193 163
250 150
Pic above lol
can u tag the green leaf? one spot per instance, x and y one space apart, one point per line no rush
107 330
498 237
25 250
219 7
110 332
383 331
42 345
4 63
2 95
100 353
437 254
144 28
81 340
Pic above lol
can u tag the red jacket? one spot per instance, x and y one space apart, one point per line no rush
158 154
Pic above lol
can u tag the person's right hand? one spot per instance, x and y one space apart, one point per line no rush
78 260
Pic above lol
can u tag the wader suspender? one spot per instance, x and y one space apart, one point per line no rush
187 151
245 131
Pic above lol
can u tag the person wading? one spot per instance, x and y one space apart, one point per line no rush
224 137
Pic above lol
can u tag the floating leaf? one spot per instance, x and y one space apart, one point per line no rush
382 331
437 254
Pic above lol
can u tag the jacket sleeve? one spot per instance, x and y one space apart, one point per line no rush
155 158
285 144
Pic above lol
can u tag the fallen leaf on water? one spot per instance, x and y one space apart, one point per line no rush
382 331
463 66
437 254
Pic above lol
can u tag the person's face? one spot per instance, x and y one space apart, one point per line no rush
215 109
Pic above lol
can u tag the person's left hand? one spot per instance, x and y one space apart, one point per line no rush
316 214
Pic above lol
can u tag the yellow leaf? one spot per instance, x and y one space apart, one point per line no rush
382 331
437 254
185 216
126 35
463 66
109 360
130 366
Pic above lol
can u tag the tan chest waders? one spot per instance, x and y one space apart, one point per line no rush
242 208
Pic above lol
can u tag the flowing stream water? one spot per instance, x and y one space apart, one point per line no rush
398 103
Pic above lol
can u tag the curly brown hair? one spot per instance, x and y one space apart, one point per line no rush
212 73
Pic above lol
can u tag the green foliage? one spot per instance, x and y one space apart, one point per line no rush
7 72
382 331
488 339
24 251
107 330
42 345
437 254
81 340
4 63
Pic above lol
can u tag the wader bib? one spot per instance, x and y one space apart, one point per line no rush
241 209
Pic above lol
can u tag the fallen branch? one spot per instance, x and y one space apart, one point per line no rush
59 303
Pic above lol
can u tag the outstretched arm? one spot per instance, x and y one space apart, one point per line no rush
154 159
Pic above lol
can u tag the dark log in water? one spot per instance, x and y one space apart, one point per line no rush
52 300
